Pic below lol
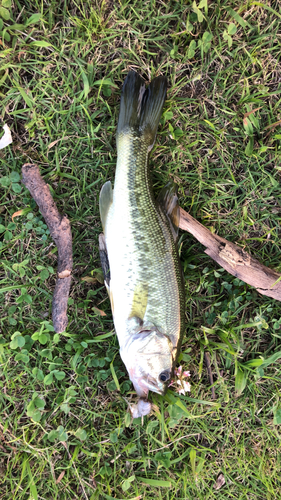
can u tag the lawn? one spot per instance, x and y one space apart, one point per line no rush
65 432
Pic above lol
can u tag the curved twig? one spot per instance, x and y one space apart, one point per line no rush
59 227
233 258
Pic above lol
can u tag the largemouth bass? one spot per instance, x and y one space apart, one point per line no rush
138 250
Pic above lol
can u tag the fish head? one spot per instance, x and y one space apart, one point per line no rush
148 356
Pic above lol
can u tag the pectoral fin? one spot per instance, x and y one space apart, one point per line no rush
168 201
106 198
139 304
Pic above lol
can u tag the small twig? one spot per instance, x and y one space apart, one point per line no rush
208 363
60 231
233 258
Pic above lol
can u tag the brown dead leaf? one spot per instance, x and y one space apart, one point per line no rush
17 214
21 53
220 482
89 279
248 114
60 477
55 142
99 311
273 125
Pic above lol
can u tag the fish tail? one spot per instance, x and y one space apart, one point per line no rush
141 108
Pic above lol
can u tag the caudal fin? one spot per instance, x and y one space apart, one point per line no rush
141 108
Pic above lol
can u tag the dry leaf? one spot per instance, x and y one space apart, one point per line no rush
220 482
55 142
99 311
7 137
60 477
273 125
248 114
89 279
17 214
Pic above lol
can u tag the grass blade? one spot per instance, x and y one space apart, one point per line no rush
114 375
155 482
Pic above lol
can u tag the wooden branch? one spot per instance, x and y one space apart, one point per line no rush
233 258
60 231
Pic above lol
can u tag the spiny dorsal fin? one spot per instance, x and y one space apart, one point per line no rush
168 201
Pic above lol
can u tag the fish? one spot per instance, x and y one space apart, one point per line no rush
138 246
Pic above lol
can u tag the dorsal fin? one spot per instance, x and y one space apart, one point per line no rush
168 201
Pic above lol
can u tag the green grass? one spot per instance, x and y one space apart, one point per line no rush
64 428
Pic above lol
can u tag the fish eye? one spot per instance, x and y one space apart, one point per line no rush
164 376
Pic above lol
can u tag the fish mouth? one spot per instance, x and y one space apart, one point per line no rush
142 387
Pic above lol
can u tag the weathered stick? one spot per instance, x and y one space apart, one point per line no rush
59 227
233 258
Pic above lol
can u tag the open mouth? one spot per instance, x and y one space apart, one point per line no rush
142 387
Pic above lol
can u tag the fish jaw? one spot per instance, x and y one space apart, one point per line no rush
143 385
140 388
